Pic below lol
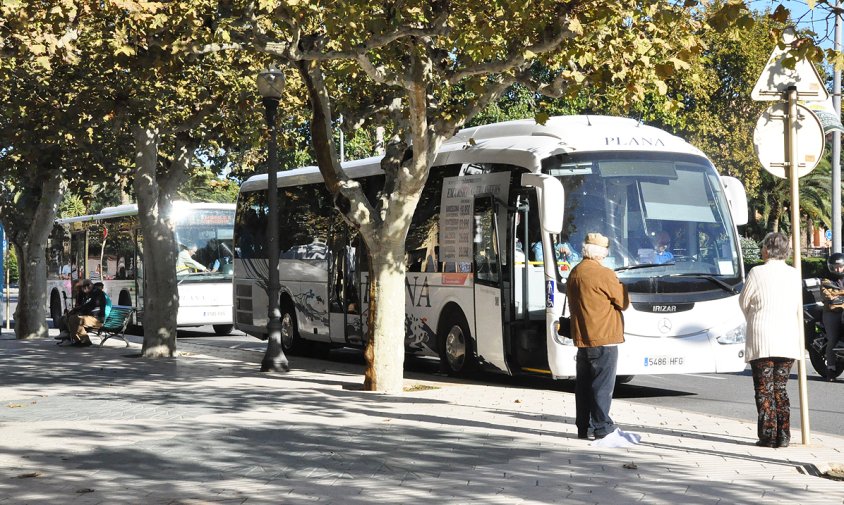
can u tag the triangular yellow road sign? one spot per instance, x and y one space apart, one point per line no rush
776 79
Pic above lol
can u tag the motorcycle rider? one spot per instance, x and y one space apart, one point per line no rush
833 308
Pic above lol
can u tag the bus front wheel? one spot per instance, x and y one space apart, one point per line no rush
624 379
56 308
457 353
223 329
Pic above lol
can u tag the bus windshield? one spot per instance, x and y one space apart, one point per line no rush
665 215
209 231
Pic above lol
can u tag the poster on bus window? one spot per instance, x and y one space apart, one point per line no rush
457 208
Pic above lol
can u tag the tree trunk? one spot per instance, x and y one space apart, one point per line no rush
161 295
30 314
30 242
385 347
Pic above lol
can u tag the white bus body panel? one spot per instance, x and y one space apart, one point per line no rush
427 295
304 282
668 343
488 317
201 304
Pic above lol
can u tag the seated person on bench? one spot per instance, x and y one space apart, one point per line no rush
90 314
79 298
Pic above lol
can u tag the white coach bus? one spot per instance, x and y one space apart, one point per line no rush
108 247
499 199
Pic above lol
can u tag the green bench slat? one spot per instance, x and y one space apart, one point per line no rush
116 322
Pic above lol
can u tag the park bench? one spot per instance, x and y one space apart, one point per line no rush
116 323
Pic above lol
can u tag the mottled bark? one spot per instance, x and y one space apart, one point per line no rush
383 224
385 347
30 240
161 296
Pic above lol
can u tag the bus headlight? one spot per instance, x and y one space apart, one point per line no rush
734 336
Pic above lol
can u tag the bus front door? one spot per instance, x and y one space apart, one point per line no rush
489 312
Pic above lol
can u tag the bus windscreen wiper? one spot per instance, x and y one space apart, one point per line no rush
642 265
708 277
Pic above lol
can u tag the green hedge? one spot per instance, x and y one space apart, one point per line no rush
12 266
811 267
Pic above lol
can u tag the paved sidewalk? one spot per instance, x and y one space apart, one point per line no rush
100 425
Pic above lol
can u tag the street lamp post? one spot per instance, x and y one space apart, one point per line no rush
270 86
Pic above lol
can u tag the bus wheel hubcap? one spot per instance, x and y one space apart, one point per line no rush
455 348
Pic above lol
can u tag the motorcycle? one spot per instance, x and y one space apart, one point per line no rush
815 333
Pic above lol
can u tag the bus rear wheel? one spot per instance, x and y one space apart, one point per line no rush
223 329
56 308
291 343
457 353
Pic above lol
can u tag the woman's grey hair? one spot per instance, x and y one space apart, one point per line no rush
594 251
777 246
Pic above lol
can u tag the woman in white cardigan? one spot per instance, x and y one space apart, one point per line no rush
771 302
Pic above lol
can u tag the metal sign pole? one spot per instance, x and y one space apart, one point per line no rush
836 142
8 292
791 144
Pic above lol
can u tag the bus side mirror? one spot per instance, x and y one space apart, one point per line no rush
551 200
737 199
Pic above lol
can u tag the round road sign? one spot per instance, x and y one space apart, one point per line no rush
769 140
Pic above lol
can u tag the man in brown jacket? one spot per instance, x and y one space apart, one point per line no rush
596 299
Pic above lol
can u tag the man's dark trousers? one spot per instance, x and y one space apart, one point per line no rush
596 367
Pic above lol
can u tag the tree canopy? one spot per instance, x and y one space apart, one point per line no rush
121 92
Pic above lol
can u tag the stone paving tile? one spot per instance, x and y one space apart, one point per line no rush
208 431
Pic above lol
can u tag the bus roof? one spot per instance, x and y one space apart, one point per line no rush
523 143
131 209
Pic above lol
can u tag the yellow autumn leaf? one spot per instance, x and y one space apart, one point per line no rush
127 50
151 6
44 62
575 26
126 5
680 64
